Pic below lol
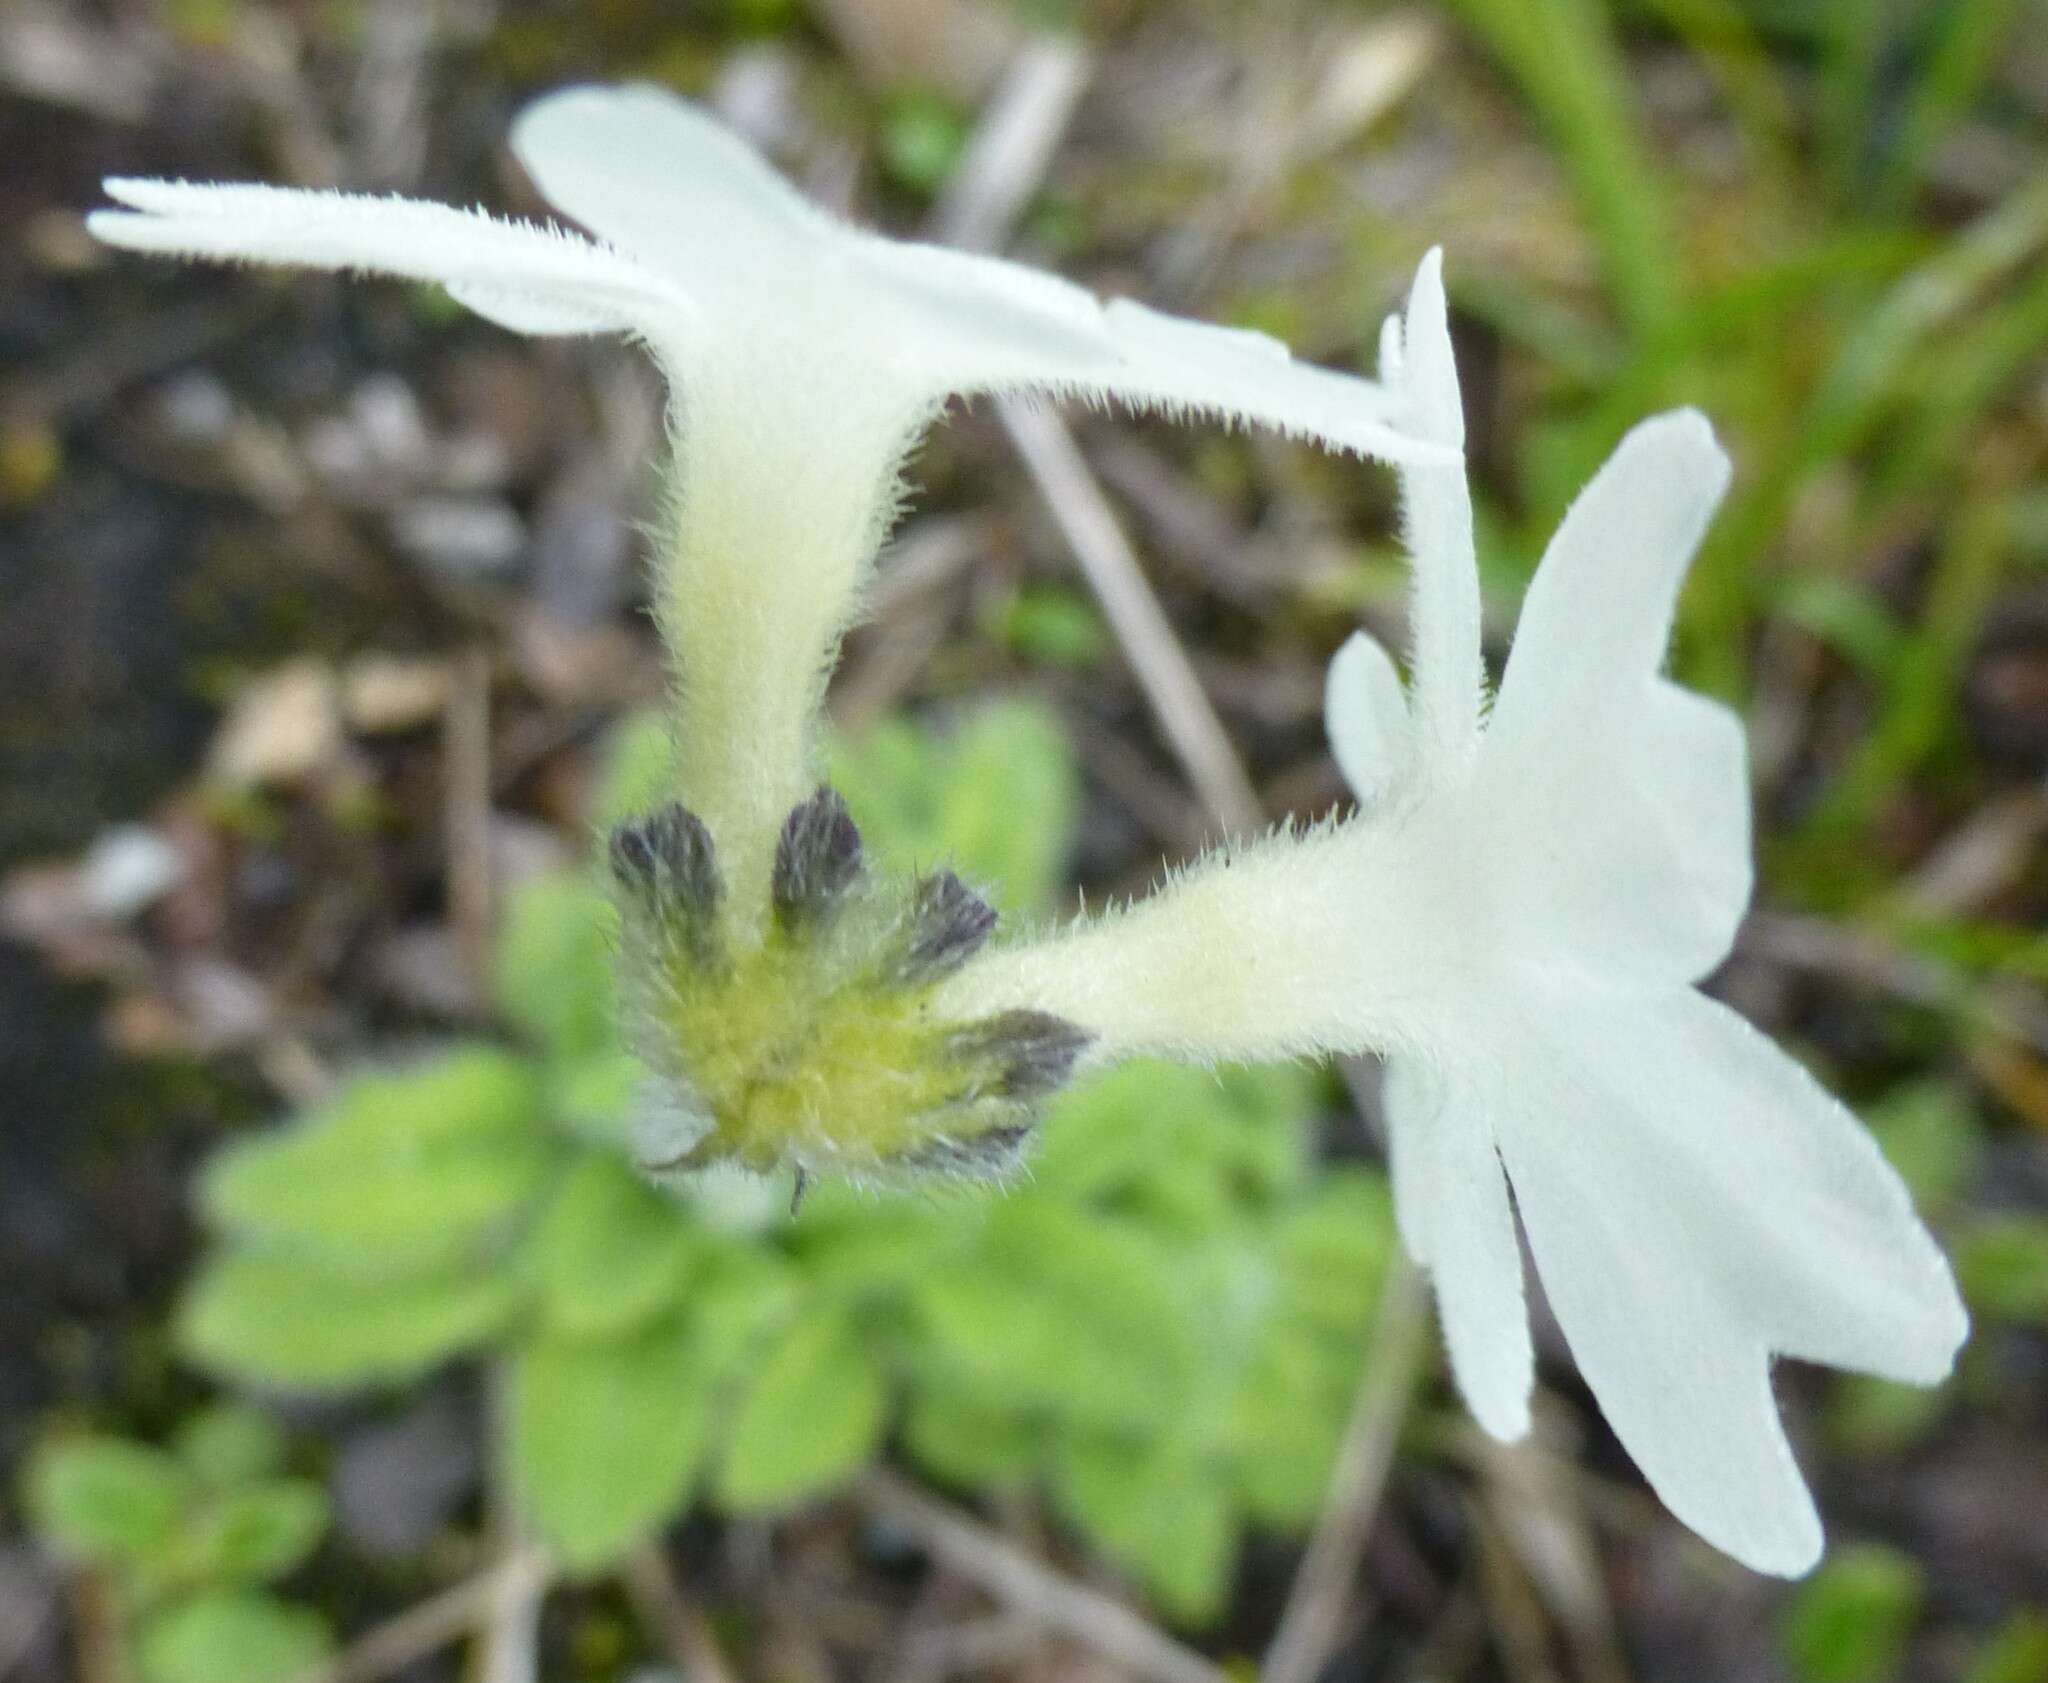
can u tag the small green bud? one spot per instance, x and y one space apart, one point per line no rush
806 1034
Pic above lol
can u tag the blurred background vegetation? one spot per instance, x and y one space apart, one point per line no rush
322 662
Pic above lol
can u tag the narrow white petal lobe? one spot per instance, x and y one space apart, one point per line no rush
533 280
1366 715
1696 1204
1451 1200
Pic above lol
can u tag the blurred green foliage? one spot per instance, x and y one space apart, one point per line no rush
1051 625
1161 1325
2017 1653
187 1541
1855 358
1849 1622
997 797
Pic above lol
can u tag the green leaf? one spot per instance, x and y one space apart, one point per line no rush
1062 1312
967 1439
1571 69
231 1637
1869 1416
591 1098
1849 1622
283 1320
228 1444
1285 1418
1010 803
1053 625
107 1501
1932 1137
1110 1134
552 973
855 1247
606 1437
253 1536
2003 1264
1333 1248
2018 1653
1185 1144
609 1252
743 1296
811 1415
400 1172
638 774
922 137
999 800
1170 1525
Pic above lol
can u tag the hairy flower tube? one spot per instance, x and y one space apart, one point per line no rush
1516 919
805 358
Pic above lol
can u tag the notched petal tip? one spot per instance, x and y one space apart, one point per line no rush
121 228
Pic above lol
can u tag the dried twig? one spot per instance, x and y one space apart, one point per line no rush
102 1646
1164 672
1867 958
28 1598
510 1632
1313 1620
1012 145
1021 1581
435 1622
659 1598
1005 161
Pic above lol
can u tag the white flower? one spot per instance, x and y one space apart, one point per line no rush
805 357
1516 919
1694 1201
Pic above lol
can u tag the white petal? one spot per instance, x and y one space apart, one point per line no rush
1630 834
535 280
1629 796
1393 358
1696 1203
1451 1200
1428 368
1449 674
1598 613
673 186
1178 366
1009 328
1366 714
684 194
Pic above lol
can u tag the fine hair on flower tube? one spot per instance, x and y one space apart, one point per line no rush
1517 916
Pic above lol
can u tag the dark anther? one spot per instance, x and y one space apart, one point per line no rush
817 857
668 857
949 924
987 1155
633 857
1037 1051
797 1190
